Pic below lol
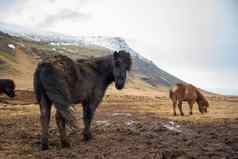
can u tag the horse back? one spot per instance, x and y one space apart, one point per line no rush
65 68
57 75
74 80
176 92
183 92
190 92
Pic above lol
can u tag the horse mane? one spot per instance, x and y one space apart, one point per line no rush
89 59
180 84
127 58
105 60
98 64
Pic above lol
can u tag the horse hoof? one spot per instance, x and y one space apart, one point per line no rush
65 144
175 114
191 113
182 114
44 147
87 137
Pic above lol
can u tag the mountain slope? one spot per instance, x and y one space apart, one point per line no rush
82 47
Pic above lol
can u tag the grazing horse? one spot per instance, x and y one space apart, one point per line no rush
189 93
63 82
7 87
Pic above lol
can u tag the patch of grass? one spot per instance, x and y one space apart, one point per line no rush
7 68
4 67
7 57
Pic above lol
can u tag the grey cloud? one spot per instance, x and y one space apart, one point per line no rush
64 14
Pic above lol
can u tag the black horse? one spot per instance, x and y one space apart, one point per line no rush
65 82
7 87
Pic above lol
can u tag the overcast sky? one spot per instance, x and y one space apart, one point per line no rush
196 40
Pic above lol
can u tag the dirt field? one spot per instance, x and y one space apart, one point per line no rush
125 126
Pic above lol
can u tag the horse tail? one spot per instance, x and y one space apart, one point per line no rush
48 84
38 88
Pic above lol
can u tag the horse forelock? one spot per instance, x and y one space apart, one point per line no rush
126 58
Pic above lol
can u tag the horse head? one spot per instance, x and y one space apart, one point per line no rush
121 65
203 106
9 89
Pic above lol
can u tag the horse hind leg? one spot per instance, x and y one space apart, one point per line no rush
174 107
45 110
180 104
60 121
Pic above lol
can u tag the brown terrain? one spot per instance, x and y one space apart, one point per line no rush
136 123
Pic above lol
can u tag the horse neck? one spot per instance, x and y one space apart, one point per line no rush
105 69
200 96
102 68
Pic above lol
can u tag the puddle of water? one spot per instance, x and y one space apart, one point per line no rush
172 126
102 123
121 114
131 122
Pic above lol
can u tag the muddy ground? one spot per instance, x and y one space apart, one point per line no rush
133 127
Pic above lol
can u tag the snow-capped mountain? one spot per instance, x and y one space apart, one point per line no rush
112 43
36 34
144 68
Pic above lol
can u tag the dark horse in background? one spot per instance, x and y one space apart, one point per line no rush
63 82
7 87
189 93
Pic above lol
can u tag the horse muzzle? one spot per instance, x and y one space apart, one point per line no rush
11 94
119 84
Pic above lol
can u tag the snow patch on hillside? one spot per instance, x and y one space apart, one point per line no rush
57 39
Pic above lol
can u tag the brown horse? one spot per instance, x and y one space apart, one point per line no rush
189 93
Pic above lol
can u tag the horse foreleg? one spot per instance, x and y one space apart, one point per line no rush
45 108
60 121
180 104
88 113
191 108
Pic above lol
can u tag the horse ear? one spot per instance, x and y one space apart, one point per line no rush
116 55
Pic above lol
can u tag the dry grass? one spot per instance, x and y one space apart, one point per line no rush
20 130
